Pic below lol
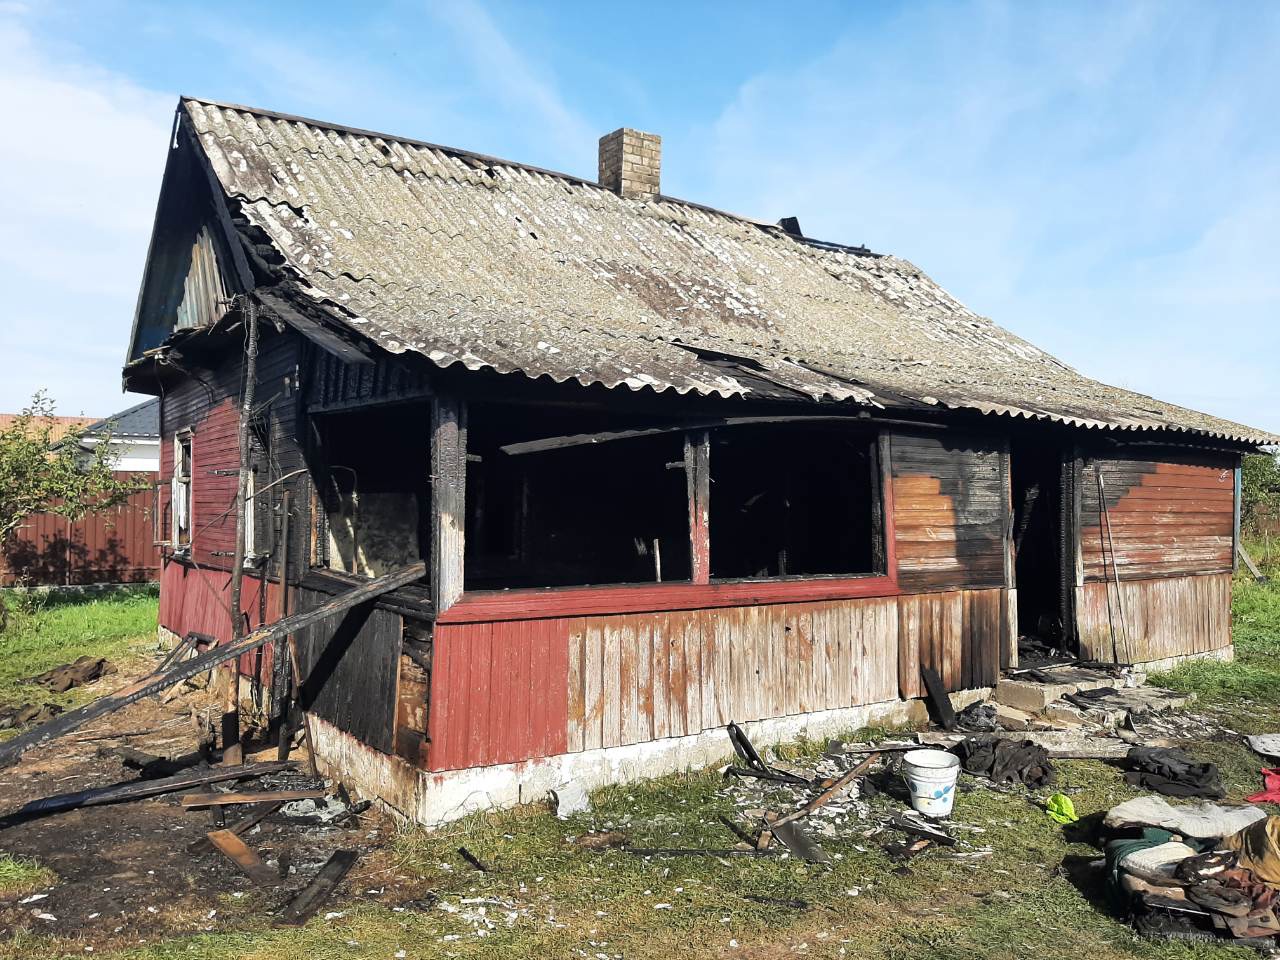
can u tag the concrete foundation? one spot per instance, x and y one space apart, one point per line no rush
1222 654
436 798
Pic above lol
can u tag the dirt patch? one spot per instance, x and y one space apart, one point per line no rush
125 871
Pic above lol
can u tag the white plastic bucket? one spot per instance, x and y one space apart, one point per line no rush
931 777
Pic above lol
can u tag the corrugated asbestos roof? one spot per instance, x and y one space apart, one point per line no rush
472 260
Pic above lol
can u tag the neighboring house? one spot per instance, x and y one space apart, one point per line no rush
134 437
117 545
669 467
59 427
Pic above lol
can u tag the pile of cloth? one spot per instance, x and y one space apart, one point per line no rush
1174 773
1006 761
1188 871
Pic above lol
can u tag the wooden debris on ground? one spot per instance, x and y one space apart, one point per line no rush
214 799
238 852
939 703
829 794
309 899
756 767
918 828
472 859
135 790
12 750
240 827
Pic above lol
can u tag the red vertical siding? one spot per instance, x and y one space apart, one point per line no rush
194 600
499 692
110 546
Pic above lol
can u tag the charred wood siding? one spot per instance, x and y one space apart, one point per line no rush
959 633
283 424
350 670
206 403
334 384
516 690
1162 617
1165 518
950 511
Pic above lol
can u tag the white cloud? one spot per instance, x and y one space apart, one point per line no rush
80 161
1096 179
506 72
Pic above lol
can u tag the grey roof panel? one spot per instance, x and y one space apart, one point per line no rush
141 420
470 260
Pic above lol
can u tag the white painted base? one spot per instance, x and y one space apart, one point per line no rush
436 798
1222 654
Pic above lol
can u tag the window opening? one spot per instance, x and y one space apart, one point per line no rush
607 513
794 500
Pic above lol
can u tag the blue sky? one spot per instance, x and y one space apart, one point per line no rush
1103 179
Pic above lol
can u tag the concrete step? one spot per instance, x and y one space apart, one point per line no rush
1052 683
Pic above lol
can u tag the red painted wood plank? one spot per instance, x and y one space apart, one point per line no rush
478 606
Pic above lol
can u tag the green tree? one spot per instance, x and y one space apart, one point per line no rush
43 474
1259 488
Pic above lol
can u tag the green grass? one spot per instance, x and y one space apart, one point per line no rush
45 631
19 876
1032 897
1247 691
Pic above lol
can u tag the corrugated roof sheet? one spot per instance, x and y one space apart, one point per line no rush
140 420
472 260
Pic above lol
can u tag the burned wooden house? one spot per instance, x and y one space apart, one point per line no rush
668 467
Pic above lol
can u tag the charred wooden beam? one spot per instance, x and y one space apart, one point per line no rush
135 790
297 911
587 439
448 499
697 467
153 683
240 827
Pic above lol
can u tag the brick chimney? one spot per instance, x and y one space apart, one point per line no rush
631 163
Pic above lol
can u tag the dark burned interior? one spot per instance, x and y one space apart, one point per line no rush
1038 468
597 513
375 490
792 500
785 499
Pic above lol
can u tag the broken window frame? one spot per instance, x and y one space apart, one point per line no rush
181 491
478 605
877 529
558 514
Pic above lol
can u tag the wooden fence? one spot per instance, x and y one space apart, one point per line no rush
112 546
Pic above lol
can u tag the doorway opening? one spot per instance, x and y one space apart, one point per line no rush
1040 482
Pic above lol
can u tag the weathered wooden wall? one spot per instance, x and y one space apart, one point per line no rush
951 511
1156 618
352 668
958 633
513 690
1154 577
208 406
1164 517
199 601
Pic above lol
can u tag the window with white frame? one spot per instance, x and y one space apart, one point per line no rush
180 492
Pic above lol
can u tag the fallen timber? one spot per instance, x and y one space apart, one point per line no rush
136 790
156 682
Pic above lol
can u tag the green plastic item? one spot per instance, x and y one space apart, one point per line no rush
1061 809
